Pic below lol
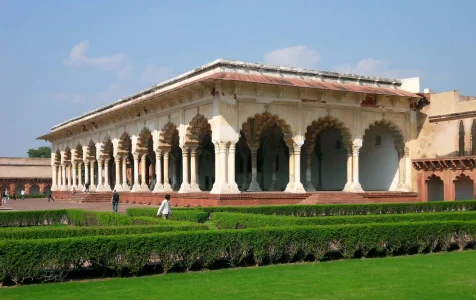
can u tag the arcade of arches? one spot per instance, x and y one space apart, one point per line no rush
265 157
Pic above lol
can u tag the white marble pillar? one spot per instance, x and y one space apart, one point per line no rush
73 170
193 170
99 186
54 174
175 172
254 186
309 185
68 173
185 186
92 171
117 162
356 187
246 184
408 169
402 162
64 186
348 185
80 176
298 187
143 166
125 187
106 185
136 185
86 172
290 185
167 186
216 184
232 186
272 187
159 187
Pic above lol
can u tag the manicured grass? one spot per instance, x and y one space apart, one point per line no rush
436 276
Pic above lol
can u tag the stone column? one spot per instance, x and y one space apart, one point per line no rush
99 186
185 186
68 172
245 185
159 187
272 186
92 186
80 176
309 185
54 174
64 186
106 186
298 187
290 185
136 185
125 187
348 185
402 185
233 187
356 187
254 186
143 170
217 170
408 168
193 170
86 172
73 170
117 161
167 186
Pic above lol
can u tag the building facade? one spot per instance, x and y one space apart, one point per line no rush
445 155
230 127
33 175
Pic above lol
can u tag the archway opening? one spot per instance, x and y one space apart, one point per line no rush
18 188
379 158
464 188
34 189
124 150
46 189
169 144
435 188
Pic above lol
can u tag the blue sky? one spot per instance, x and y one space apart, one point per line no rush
59 59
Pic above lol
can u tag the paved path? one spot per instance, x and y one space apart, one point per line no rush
42 204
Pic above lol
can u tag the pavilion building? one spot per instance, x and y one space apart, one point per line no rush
32 175
230 127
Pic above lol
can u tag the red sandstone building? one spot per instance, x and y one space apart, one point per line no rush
30 174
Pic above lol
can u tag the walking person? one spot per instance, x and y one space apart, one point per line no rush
115 201
164 208
86 187
50 196
22 194
4 197
74 191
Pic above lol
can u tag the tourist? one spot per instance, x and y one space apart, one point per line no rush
115 201
22 194
164 208
74 191
86 187
4 197
50 196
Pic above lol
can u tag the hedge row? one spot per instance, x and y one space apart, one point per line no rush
239 221
159 221
191 215
53 259
33 218
347 209
66 232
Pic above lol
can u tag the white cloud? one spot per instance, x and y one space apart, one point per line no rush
155 75
377 67
296 56
109 95
117 61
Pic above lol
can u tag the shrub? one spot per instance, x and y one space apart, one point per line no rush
238 221
347 209
159 221
191 215
79 217
32 218
46 232
52 259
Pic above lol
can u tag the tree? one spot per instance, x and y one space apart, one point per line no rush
41 152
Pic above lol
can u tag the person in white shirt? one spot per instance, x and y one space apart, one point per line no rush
22 194
164 208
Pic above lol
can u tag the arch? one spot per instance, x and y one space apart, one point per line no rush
57 158
322 124
261 122
143 140
461 138
107 148
18 188
379 164
91 152
6 186
197 129
47 188
67 154
435 188
464 187
79 152
34 189
169 135
125 142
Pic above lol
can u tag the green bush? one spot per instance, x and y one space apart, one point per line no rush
239 221
33 196
53 259
79 217
190 215
47 232
32 218
347 209
159 221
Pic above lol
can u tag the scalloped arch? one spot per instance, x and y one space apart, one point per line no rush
143 140
269 120
125 142
323 123
169 135
397 134
197 129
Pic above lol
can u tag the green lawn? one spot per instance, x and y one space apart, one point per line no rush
436 276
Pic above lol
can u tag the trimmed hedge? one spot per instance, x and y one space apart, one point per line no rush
347 209
78 217
159 221
53 259
190 215
239 221
33 218
66 232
